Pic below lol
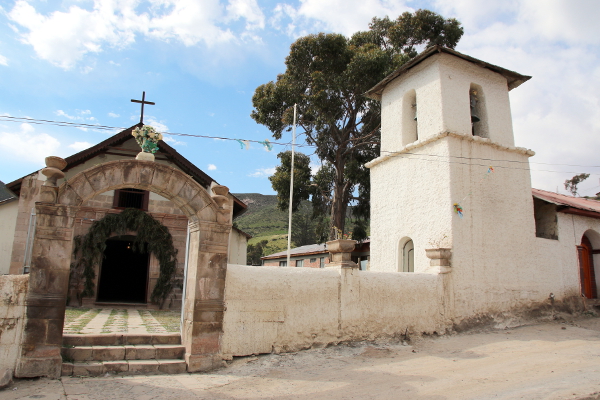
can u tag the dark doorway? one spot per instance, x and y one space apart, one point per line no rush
124 272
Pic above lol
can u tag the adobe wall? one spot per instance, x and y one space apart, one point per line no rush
13 290
288 309
8 221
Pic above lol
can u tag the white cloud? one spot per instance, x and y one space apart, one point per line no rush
28 146
3 60
212 167
342 16
65 37
113 115
262 172
158 125
79 146
172 141
61 113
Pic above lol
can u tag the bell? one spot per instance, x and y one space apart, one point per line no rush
415 107
473 101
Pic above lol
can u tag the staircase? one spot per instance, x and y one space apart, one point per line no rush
128 354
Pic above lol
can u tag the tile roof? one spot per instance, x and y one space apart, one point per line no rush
580 203
170 153
5 194
514 79
306 250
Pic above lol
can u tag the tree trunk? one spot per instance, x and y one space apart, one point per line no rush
339 202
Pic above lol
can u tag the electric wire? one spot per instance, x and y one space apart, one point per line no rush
417 156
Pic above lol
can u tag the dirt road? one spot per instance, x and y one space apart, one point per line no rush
541 361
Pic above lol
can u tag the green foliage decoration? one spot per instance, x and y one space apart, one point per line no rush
152 237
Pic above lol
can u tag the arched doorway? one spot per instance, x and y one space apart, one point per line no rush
586 268
123 274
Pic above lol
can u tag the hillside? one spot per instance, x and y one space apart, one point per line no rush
262 217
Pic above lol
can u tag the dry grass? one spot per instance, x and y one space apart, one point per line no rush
170 320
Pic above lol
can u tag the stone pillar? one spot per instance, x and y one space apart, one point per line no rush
340 251
204 303
440 259
47 293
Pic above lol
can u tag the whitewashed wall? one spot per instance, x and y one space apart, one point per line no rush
288 309
13 289
8 222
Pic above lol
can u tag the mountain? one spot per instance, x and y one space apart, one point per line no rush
262 217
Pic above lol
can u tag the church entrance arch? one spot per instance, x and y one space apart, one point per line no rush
208 210
123 276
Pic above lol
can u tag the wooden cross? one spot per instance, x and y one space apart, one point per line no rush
143 101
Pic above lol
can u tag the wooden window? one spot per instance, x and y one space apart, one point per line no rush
299 263
322 262
283 263
131 198
312 260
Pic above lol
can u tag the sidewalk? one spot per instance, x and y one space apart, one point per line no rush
542 361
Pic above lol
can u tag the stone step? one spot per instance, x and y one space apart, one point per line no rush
123 352
115 339
124 367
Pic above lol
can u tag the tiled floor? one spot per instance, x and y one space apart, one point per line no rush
109 320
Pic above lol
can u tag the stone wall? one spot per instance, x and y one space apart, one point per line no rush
8 220
288 309
13 289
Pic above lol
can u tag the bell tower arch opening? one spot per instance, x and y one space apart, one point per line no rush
409 118
479 119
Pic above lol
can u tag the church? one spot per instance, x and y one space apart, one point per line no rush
458 236
125 276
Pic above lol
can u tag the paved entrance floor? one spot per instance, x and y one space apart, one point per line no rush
125 321
555 360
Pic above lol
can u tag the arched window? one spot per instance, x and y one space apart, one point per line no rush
409 118
406 255
479 122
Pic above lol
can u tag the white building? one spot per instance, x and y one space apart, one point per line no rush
444 181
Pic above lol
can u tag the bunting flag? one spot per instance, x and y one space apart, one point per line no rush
457 207
244 144
267 144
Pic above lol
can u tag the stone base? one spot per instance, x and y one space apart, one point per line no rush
30 367
199 363
144 156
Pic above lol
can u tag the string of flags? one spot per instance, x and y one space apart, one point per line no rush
245 144
457 207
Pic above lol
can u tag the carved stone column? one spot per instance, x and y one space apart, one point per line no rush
47 293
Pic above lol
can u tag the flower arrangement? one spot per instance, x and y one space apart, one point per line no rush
147 138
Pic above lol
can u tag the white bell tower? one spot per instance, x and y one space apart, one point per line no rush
446 139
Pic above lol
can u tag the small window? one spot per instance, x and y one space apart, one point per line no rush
546 225
283 263
299 263
131 198
312 260
322 262
406 256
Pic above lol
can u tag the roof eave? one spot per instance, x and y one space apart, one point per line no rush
514 79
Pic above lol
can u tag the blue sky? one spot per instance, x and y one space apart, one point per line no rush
200 61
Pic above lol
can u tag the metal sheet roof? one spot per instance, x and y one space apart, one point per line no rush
567 201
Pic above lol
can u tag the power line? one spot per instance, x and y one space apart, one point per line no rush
392 154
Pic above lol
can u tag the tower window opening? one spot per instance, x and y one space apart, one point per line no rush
478 112
410 118
131 198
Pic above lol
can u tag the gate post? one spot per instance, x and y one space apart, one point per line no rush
47 293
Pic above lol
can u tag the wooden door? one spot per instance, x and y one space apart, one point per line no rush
586 269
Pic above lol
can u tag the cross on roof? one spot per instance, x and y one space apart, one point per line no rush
143 101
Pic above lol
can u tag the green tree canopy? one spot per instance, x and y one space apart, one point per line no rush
326 75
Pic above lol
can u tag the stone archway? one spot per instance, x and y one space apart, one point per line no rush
209 216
